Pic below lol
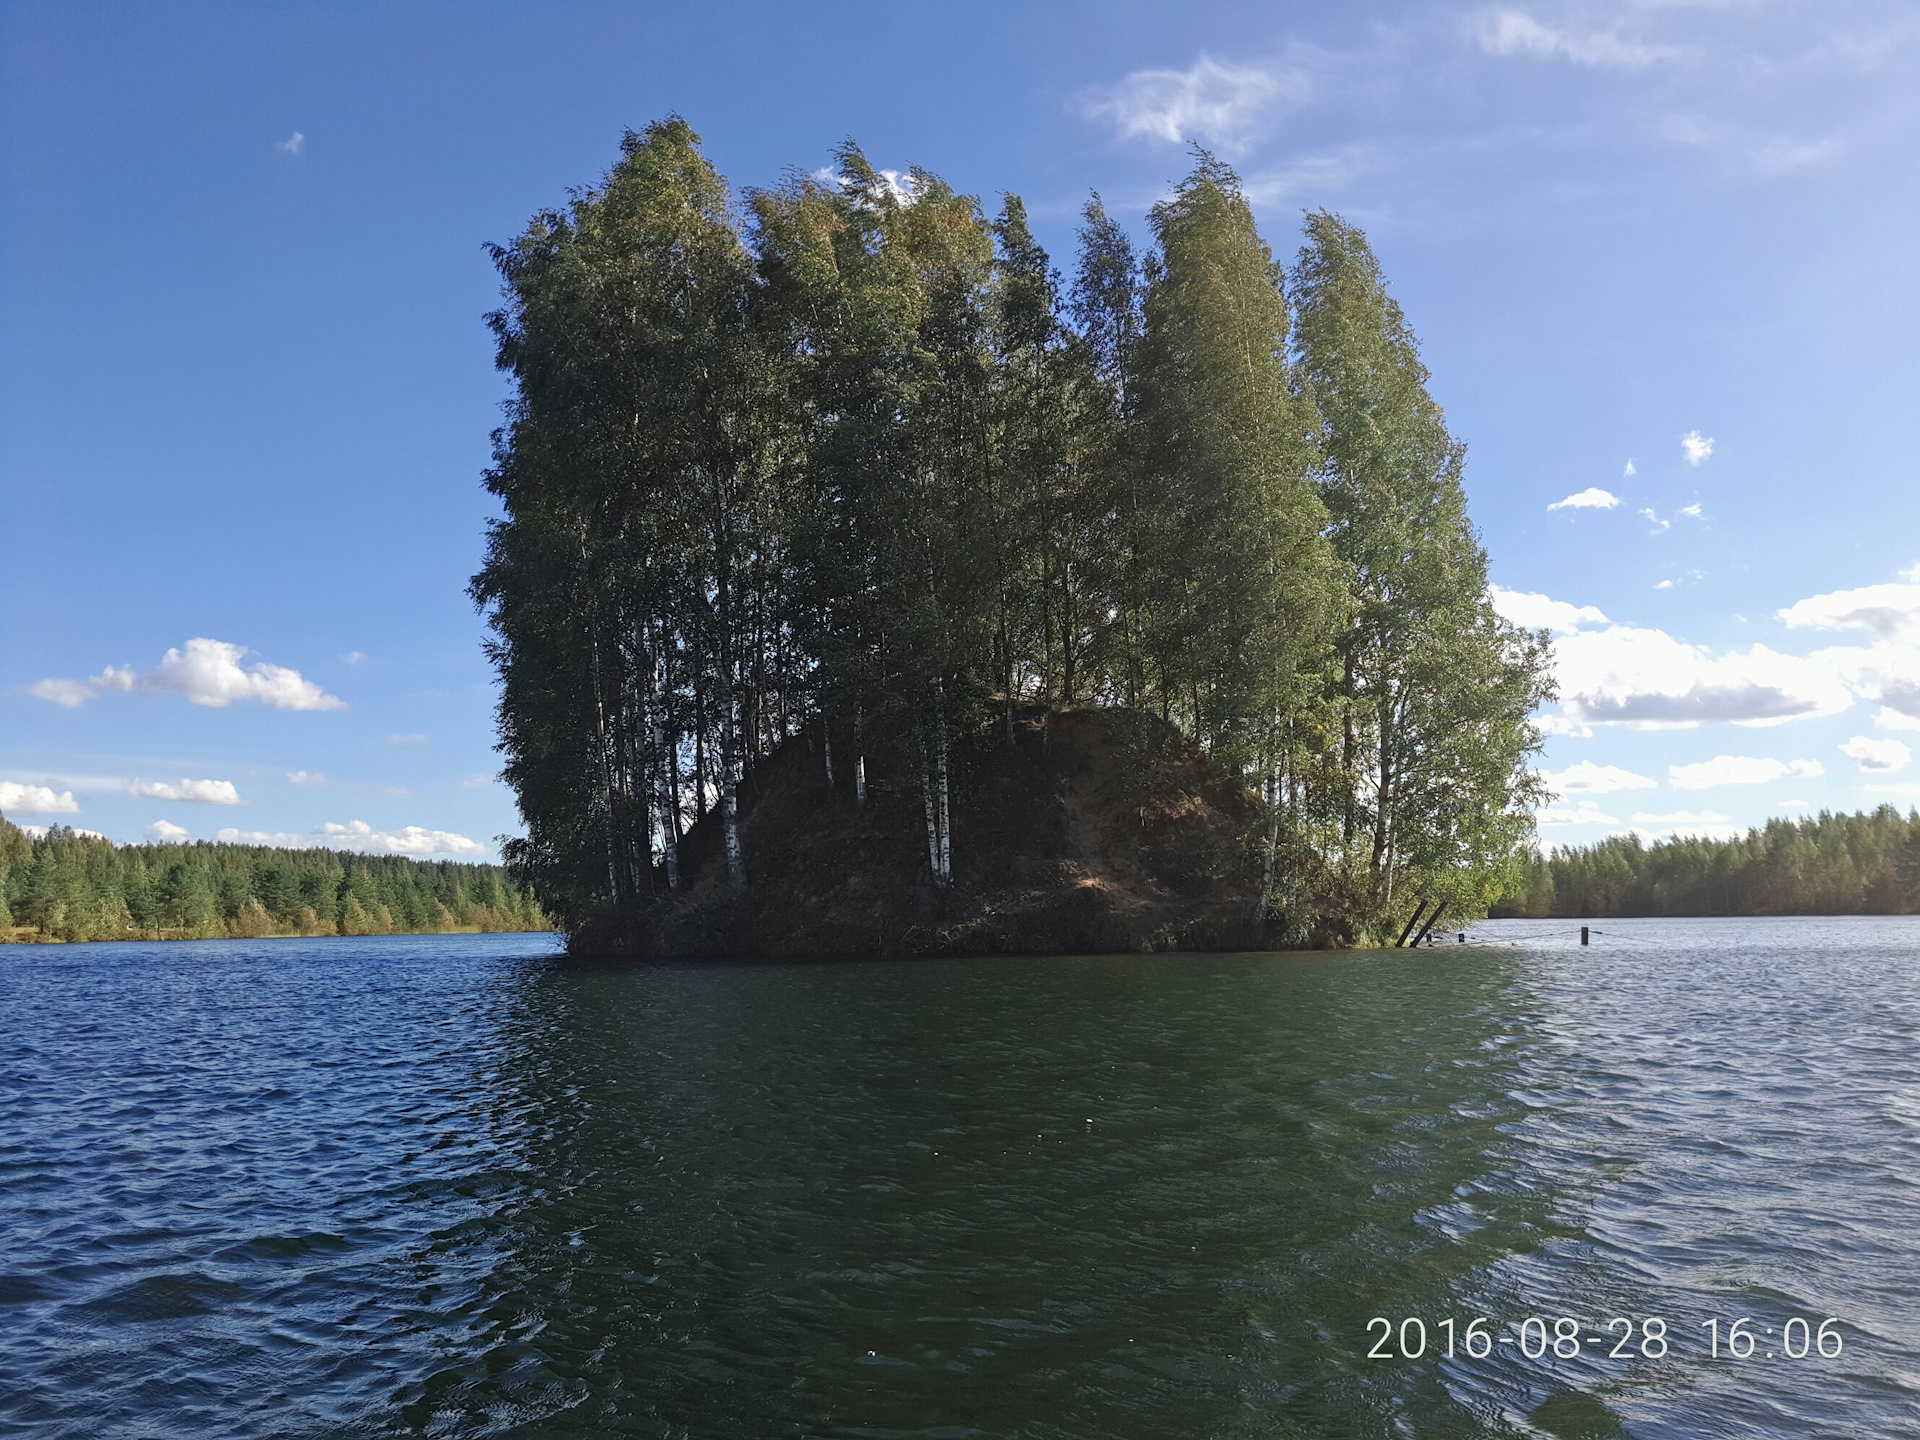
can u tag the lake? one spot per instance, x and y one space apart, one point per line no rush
454 1185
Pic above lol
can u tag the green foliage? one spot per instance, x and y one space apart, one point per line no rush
1435 692
1861 864
852 464
68 886
1235 582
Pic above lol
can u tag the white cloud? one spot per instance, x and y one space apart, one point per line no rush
354 657
1646 679
165 832
306 777
1224 105
1886 672
899 184
358 835
1531 611
1710 824
189 792
1740 770
206 672
1585 813
1891 611
408 840
1657 521
1877 755
1591 498
39 832
69 694
479 780
1777 157
65 781
1591 779
1692 512
18 799
1888 675
1503 31
1629 472
1681 817
280 839
293 144
1312 177
1696 447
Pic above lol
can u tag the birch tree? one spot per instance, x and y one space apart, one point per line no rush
1435 691
1239 586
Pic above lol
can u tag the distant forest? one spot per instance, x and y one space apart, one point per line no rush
68 886
850 458
1863 864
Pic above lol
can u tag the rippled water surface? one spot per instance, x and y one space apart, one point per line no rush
456 1186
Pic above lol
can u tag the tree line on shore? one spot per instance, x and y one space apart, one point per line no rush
69 886
1860 864
852 455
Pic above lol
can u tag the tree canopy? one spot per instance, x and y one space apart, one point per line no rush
1825 864
849 457
70 885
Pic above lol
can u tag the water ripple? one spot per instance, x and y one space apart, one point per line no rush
453 1186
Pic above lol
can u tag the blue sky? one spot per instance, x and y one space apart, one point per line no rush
246 390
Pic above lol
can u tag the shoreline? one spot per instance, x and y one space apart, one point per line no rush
26 935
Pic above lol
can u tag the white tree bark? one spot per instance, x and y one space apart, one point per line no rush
730 787
933 825
1261 910
945 869
666 778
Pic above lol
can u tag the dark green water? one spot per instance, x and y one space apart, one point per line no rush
452 1186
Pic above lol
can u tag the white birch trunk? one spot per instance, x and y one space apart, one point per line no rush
933 825
729 787
940 771
665 779
601 745
669 813
1261 910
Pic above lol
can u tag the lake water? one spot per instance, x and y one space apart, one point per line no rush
456 1186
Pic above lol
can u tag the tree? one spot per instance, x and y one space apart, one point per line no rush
629 583
1435 691
1105 309
861 468
1237 586
1057 437
881 289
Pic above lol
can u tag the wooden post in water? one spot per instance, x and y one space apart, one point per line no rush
1583 934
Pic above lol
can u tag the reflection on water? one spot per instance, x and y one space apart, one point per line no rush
450 1185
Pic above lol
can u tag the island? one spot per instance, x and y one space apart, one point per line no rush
863 585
